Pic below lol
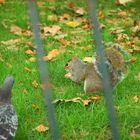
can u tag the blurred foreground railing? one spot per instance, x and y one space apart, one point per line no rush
44 72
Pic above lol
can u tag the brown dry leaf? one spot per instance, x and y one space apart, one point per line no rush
41 128
132 60
117 31
65 17
123 2
30 52
40 3
52 54
35 84
52 17
91 100
80 11
135 135
87 24
2 1
16 30
27 69
27 33
137 77
52 30
64 42
73 24
136 48
123 13
86 48
122 37
136 29
88 59
11 42
79 100
71 5
75 100
136 98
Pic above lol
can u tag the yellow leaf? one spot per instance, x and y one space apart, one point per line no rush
137 77
41 128
136 99
32 59
73 24
27 69
35 84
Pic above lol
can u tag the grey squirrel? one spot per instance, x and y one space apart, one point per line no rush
90 74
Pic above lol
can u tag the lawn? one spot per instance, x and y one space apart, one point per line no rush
17 58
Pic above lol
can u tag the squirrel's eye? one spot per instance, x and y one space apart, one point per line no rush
66 64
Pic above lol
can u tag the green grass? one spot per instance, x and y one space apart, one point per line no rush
75 121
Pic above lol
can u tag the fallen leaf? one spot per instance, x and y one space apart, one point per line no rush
11 42
123 2
65 17
40 3
27 69
16 30
30 52
137 77
52 17
35 106
73 24
60 36
88 59
132 60
136 98
91 100
87 24
35 84
122 37
27 33
64 42
136 30
2 1
52 30
71 5
25 91
117 31
86 48
85 102
41 128
122 13
32 59
52 54
135 135
80 11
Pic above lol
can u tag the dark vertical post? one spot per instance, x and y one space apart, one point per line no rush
43 70
104 71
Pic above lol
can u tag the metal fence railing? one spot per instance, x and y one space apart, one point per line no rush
102 67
